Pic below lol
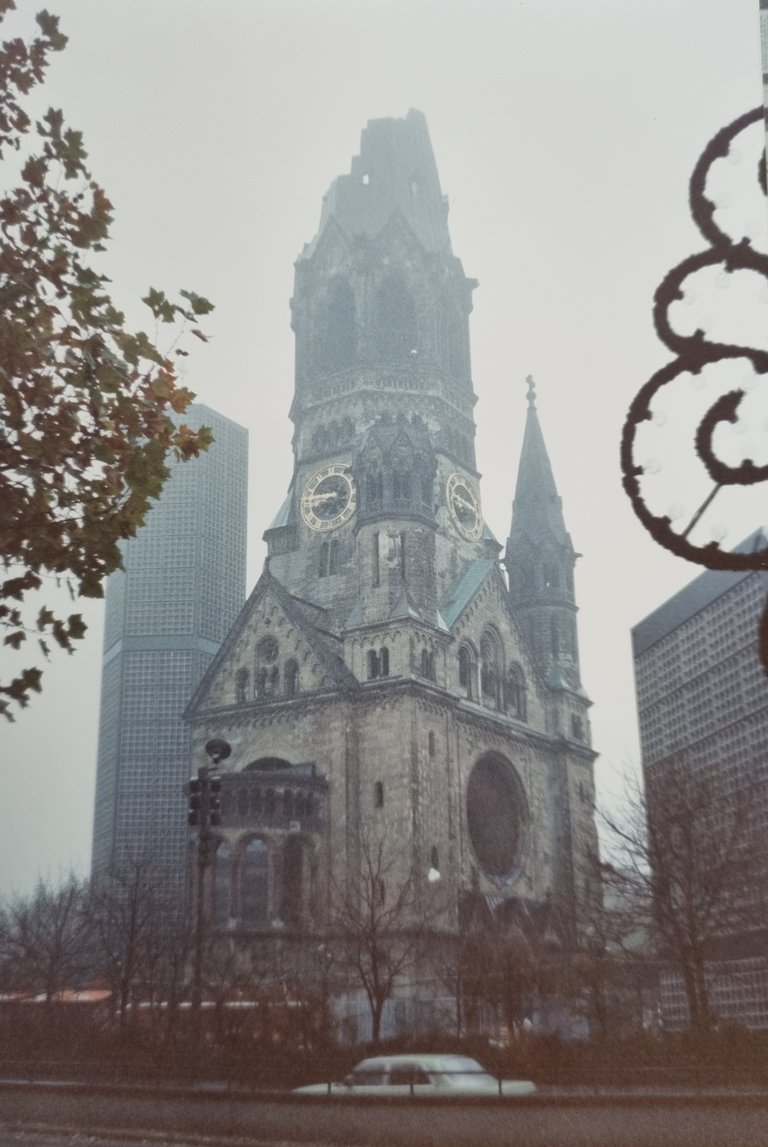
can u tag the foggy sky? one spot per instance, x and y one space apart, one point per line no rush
564 136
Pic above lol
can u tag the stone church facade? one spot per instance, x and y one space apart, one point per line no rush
392 679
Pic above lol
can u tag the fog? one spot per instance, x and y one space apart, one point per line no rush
564 134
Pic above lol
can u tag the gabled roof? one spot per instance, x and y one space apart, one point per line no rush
466 588
309 619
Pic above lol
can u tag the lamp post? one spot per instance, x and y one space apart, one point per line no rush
204 813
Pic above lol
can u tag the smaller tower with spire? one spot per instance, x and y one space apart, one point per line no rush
540 561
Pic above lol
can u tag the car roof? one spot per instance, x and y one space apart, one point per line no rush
435 1062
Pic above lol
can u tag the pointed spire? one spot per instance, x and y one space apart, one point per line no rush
537 513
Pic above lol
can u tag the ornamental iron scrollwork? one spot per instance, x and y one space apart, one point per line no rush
695 354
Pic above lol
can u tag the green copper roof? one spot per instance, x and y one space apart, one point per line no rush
283 516
468 585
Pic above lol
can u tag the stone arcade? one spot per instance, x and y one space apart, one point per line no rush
386 682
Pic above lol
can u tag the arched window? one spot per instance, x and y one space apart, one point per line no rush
375 559
428 664
384 662
490 670
270 804
267 650
425 489
323 565
431 747
402 483
466 670
291 678
241 686
378 794
515 693
337 342
396 333
373 664
222 884
267 674
254 884
374 487
296 881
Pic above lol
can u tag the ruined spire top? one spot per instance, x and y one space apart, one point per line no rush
395 171
531 392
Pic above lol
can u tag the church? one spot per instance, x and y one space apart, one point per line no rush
401 693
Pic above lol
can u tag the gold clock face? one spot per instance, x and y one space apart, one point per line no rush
329 499
464 508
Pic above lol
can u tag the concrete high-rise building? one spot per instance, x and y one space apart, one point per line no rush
396 708
167 612
702 698
764 47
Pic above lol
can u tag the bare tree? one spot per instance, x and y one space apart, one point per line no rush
43 939
607 977
384 921
127 912
498 972
685 863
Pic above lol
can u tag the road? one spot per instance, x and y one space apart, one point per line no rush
189 1118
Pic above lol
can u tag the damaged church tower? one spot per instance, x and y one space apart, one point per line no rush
383 684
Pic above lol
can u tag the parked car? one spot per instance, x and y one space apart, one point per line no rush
422 1075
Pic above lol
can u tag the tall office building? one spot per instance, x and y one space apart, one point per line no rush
764 46
702 698
386 691
167 612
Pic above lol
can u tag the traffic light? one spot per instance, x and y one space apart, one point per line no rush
214 801
195 793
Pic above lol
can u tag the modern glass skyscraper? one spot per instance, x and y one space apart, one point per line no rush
167 612
702 699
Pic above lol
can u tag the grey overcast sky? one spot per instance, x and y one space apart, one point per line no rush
564 133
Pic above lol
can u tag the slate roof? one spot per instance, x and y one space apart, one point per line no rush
537 513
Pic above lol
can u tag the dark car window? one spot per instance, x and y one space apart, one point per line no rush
368 1077
408 1073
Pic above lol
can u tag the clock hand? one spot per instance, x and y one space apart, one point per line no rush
323 497
464 502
